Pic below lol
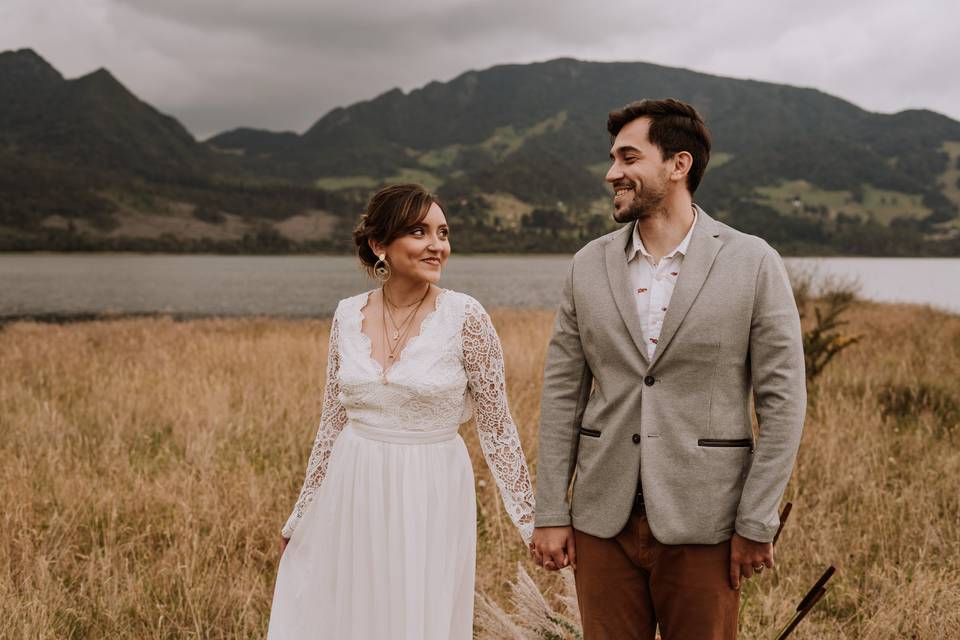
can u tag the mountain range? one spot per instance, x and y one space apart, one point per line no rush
516 152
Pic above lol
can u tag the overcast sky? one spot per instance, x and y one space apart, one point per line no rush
219 64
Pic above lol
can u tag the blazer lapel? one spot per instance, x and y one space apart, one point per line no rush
620 286
701 253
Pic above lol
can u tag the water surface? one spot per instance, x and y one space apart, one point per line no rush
46 284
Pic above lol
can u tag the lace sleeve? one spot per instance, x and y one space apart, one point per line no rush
333 417
483 362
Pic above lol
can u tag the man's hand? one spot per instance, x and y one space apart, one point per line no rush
553 548
747 558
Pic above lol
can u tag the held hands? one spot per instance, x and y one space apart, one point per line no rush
748 558
553 548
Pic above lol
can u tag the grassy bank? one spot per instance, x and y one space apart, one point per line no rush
147 466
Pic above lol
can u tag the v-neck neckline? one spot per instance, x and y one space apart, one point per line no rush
368 341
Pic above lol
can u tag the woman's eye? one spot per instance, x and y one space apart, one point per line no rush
417 232
444 233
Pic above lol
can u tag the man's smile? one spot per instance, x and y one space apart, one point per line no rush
620 191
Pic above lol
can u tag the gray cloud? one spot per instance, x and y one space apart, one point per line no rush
217 64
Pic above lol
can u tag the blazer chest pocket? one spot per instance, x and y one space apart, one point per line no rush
589 432
725 442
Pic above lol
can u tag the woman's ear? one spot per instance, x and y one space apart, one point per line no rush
377 248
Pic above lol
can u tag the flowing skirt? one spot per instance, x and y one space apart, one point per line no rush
387 547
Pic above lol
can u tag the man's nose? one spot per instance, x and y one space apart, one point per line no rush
614 173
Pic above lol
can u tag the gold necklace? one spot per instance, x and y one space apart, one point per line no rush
405 306
392 352
398 327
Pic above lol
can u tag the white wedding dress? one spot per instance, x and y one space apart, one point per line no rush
383 535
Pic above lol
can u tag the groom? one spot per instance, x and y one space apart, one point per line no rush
666 328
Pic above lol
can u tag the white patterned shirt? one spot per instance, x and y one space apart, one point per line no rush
653 282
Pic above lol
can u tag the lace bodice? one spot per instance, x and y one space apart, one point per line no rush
453 369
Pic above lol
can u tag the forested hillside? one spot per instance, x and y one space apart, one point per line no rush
517 152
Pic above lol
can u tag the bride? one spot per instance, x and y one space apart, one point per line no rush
382 540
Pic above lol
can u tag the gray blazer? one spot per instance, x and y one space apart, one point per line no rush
682 421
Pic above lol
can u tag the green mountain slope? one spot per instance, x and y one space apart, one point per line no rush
518 153
537 133
253 141
85 164
92 122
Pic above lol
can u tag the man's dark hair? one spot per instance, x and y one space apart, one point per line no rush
674 126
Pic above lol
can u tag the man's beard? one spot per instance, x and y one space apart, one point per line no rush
647 201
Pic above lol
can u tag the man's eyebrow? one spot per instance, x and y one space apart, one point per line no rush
624 150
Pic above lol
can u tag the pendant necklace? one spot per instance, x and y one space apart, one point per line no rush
400 333
398 327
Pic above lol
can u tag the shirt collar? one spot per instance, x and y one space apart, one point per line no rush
636 245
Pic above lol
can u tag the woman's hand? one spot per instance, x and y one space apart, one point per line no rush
554 548
283 545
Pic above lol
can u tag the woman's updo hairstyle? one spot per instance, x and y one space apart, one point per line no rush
391 212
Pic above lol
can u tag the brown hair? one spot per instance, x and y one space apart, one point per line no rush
674 126
390 212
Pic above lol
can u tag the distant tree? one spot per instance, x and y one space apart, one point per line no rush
266 239
208 214
843 218
547 219
856 193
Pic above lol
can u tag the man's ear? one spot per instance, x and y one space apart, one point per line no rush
682 163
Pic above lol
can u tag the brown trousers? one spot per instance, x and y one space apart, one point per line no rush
628 584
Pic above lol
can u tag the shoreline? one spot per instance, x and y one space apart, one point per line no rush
71 317
65 318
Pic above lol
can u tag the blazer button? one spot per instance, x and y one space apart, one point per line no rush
649 380
636 438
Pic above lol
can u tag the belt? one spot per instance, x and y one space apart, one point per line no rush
397 436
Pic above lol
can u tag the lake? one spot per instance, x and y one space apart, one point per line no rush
47 284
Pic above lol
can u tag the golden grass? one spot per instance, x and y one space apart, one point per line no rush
146 467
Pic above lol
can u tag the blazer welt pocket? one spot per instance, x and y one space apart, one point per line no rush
589 432
723 442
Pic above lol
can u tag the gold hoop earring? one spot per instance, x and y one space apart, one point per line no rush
381 270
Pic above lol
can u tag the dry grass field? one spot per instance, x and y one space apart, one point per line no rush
146 467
